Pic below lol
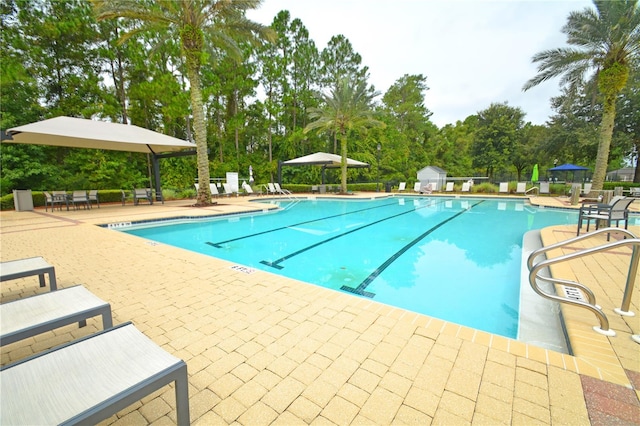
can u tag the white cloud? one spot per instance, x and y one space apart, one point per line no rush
473 52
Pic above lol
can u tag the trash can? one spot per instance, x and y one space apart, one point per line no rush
387 187
22 200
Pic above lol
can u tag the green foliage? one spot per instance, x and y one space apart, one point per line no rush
499 128
56 59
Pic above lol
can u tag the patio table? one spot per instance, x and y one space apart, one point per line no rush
21 268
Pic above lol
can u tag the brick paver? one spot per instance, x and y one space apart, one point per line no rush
263 349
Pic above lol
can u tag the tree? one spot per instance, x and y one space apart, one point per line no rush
348 108
498 129
204 27
607 41
408 125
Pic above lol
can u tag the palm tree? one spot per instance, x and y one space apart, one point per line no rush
607 43
348 108
212 27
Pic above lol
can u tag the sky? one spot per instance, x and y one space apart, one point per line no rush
472 52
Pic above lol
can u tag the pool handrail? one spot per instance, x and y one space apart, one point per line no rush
590 304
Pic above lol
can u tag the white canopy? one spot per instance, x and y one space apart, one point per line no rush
82 133
323 159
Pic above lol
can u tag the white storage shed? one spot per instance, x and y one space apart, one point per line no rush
433 175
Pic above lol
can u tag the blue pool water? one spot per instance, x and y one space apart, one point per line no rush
451 258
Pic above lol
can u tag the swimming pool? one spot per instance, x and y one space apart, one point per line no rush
456 259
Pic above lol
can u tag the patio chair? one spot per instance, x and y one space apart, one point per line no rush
402 186
617 210
504 188
48 201
634 191
416 187
28 317
544 188
80 197
60 198
142 194
93 196
124 197
466 187
449 187
90 379
521 187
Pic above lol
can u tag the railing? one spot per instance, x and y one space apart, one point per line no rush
590 303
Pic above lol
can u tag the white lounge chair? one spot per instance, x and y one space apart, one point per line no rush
90 379
280 190
416 186
466 187
449 187
402 186
544 188
214 190
247 188
20 268
228 191
587 189
24 318
521 187
271 188
504 188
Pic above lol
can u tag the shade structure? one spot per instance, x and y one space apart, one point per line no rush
568 168
323 159
74 132
82 133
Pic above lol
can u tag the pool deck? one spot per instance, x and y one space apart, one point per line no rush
264 349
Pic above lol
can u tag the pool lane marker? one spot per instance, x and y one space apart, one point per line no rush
276 263
360 290
220 243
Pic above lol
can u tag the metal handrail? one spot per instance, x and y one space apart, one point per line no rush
591 302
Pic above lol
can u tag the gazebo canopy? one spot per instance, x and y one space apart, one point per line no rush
82 133
568 168
323 159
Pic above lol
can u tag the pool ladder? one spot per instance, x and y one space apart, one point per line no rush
590 302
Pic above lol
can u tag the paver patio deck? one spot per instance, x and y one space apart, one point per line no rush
264 349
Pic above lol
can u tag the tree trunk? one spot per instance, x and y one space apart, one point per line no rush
343 164
204 193
634 163
604 143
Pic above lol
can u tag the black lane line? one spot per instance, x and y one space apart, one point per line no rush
361 288
275 264
219 244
